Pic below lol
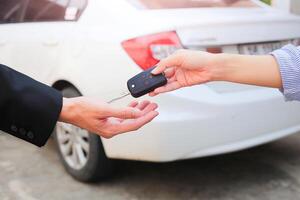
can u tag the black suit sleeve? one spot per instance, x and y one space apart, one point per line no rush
29 109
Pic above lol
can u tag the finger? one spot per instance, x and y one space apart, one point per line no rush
150 107
170 72
143 104
139 122
145 107
132 125
125 113
171 80
167 88
133 104
160 68
152 94
171 61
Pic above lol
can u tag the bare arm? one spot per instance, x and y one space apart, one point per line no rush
187 68
253 70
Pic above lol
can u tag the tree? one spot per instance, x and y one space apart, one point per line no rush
267 1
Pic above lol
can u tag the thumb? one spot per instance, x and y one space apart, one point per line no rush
125 113
171 61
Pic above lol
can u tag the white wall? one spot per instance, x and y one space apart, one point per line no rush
288 5
296 6
282 4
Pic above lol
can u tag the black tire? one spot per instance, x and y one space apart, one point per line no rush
97 166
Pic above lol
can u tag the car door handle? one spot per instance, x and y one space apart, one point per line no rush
51 42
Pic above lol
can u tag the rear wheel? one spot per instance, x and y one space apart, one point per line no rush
81 152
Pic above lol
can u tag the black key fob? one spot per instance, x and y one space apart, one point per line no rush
145 82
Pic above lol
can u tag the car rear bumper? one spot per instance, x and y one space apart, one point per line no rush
197 122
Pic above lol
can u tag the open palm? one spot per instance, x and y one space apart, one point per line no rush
113 125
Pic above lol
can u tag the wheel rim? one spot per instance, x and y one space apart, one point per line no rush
74 145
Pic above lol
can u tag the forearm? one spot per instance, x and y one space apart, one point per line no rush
253 70
280 69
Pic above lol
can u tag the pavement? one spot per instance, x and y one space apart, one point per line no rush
268 172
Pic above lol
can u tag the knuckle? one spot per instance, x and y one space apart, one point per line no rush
113 132
180 56
106 134
135 128
108 137
179 52
124 113
103 134
129 113
110 133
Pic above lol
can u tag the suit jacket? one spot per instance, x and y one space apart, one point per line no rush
29 110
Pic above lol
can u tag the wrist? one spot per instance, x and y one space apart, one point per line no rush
219 67
68 112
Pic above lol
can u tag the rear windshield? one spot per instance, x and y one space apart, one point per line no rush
169 4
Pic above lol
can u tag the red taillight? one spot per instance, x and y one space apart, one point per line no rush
146 51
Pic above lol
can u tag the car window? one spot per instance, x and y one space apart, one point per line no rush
54 10
44 10
168 4
12 11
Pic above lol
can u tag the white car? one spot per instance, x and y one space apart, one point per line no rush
93 47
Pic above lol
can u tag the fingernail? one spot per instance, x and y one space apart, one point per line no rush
154 71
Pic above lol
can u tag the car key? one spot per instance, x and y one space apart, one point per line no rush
145 82
122 95
142 84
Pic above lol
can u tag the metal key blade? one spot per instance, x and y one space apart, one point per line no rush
120 97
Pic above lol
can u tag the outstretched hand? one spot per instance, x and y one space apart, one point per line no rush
187 68
104 119
184 68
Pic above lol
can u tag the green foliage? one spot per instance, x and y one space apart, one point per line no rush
267 1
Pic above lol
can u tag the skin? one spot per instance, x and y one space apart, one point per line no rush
105 120
187 68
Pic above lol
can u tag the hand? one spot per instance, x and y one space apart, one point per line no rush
105 120
185 68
